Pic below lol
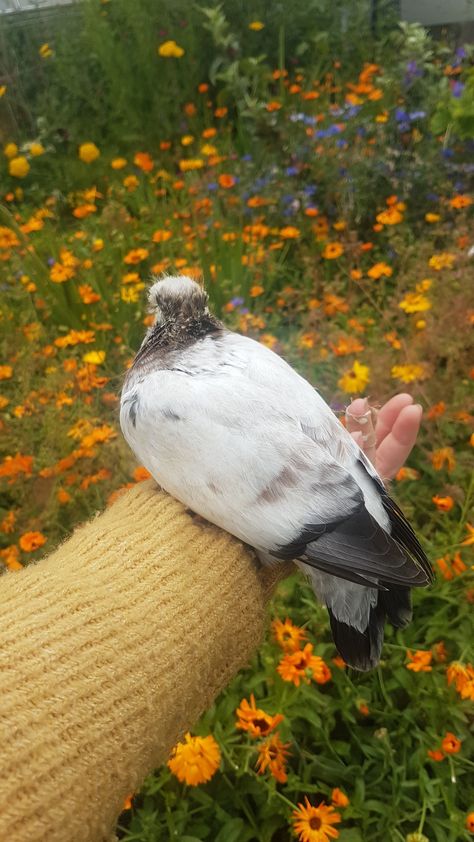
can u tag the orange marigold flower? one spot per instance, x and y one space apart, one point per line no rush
470 536
11 557
8 523
339 798
315 824
302 665
136 256
346 345
391 216
470 822
226 180
443 260
162 235
144 161
436 755
378 270
273 105
14 465
443 504
272 755
287 635
289 233
220 112
450 743
334 304
254 720
439 652
462 675
256 290
420 660
443 456
31 541
195 760
332 251
460 202
141 474
436 411
63 496
88 295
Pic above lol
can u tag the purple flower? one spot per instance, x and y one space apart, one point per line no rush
457 89
236 302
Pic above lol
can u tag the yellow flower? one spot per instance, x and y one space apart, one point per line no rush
409 373
94 357
391 216
88 152
3 90
356 379
187 139
136 256
208 149
10 150
45 51
6 372
36 149
415 302
130 183
170 49
195 760
443 260
118 163
432 217
131 294
256 25
191 164
19 167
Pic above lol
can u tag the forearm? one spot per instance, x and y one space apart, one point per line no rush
110 648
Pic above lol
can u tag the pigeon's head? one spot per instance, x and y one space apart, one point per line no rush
176 298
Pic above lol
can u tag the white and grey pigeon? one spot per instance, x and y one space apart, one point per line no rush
227 427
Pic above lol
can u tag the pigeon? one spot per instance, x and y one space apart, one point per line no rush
230 429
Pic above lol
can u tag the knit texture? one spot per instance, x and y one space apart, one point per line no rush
110 648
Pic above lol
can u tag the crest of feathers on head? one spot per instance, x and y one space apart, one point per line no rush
177 297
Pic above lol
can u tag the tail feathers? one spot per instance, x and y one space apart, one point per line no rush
362 650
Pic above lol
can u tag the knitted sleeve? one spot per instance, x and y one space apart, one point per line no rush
110 648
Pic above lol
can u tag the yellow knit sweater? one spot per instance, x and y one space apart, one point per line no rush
110 648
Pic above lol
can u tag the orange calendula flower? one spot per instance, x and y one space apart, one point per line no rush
12 466
379 270
118 163
289 233
470 822
315 824
444 456
443 504
450 743
436 755
391 216
6 372
332 251
254 720
195 760
273 105
419 660
287 635
460 201
339 798
31 541
144 161
462 676
226 180
136 256
272 755
302 665
162 235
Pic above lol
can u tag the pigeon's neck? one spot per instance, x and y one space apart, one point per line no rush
176 334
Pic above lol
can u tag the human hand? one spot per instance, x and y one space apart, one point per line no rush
387 435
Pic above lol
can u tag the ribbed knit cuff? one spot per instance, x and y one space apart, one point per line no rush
110 648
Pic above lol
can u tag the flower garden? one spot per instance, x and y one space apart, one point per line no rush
321 185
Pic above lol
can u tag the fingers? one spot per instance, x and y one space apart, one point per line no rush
398 442
389 413
360 421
